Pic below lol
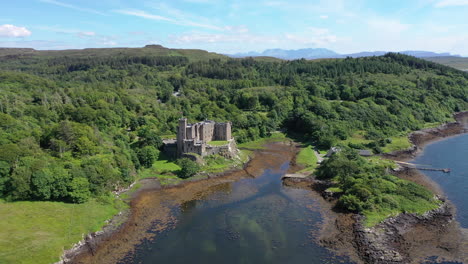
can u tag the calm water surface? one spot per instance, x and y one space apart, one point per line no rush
450 153
260 221
248 221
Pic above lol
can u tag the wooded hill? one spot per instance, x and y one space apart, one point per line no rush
81 123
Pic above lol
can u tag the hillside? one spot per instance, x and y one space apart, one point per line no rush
149 50
76 125
460 63
94 118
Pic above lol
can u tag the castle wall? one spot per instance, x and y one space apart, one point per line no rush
190 146
230 147
222 131
192 138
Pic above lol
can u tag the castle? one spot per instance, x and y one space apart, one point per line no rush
196 138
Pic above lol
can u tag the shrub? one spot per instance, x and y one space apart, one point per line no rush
188 168
147 156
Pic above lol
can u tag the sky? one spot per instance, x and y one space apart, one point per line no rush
238 26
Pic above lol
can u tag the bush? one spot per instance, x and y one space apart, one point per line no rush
350 202
79 190
188 168
147 156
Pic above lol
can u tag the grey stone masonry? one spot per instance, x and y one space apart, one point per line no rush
195 138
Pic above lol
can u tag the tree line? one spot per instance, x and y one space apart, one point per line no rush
74 128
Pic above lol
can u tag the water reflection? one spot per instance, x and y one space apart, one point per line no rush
253 220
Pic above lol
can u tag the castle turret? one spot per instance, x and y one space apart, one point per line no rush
181 135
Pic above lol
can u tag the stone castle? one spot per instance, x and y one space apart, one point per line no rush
195 138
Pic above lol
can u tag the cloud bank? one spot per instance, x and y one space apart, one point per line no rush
11 31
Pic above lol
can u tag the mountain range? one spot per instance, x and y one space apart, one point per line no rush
321 53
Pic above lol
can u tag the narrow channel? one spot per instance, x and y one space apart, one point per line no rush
251 220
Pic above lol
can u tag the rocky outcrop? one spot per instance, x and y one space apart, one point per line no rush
386 243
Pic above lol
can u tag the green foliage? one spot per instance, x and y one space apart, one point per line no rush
307 158
79 190
218 142
188 168
147 155
100 115
368 189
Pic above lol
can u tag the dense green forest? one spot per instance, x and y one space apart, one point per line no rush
79 124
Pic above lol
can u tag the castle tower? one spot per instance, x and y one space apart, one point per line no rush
228 130
181 135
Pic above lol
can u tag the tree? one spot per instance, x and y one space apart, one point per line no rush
41 182
147 156
79 190
188 168
4 176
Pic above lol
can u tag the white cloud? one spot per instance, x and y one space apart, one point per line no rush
323 16
12 31
387 26
78 33
447 3
313 36
178 21
242 36
70 6
85 34
229 37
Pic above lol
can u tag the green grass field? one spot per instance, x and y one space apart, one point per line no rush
216 163
38 232
258 144
357 138
307 158
418 206
398 143
218 142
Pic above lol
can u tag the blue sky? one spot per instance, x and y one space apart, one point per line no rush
238 26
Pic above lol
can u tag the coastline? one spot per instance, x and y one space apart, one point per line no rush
341 232
405 238
152 209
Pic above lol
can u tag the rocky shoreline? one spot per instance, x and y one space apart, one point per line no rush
90 242
151 210
393 241
406 238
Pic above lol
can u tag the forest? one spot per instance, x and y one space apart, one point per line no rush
75 126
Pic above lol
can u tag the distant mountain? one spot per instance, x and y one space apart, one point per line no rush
320 53
291 54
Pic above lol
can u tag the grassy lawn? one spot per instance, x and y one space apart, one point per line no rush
357 138
334 189
161 166
218 142
398 143
258 144
216 163
307 158
169 136
382 162
37 232
418 206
